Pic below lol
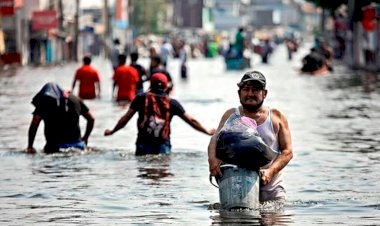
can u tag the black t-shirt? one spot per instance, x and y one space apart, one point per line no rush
141 70
138 104
61 119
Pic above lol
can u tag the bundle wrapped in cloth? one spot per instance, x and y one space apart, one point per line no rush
239 143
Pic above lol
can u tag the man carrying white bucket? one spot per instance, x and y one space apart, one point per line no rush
272 127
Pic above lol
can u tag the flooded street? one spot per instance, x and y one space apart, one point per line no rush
332 179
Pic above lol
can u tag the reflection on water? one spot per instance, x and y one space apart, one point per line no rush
369 82
268 213
154 168
252 218
333 178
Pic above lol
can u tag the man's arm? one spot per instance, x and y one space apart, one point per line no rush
113 89
213 161
74 80
114 78
97 82
196 124
34 124
144 73
285 145
73 85
90 125
121 123
98 86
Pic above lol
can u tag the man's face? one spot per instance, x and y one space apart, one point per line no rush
252 95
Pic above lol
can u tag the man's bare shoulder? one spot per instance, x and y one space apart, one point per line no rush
226 115
278 115
228 112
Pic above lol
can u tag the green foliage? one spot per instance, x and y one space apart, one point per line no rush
330 5
147 16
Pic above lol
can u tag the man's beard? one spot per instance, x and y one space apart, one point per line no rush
252 108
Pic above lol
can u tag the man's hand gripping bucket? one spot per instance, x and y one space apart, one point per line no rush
238 187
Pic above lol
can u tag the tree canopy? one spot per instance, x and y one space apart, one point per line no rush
328 4
148 16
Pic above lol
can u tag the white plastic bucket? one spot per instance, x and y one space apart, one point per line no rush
238 188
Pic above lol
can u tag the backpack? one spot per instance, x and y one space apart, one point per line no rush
156 116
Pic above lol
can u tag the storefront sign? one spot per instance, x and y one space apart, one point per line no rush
7 7
43 20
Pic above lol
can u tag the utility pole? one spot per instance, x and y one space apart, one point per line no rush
323 21
60 30
106 26
145 18
60 18
76 31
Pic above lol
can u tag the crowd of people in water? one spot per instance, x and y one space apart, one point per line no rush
238 49
129 79
155 106
61 110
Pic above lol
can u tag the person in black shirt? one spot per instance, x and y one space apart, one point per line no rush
60 111
156 110
141 70
157 67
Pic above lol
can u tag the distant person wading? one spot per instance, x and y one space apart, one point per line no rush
88 79
125 80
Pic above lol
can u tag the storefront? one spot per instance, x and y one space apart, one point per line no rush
9 52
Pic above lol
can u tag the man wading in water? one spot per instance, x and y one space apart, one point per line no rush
60 111
156 110
273 129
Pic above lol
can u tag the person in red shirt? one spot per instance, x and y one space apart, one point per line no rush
88 78
125 79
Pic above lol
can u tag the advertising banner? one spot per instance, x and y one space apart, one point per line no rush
44 20
7 7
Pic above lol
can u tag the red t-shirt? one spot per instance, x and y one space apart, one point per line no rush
126 78
87 77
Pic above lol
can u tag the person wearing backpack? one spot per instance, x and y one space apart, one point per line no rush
60 110
156 110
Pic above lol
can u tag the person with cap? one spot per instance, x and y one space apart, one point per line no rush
88 78
272 126
60 110
156 110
